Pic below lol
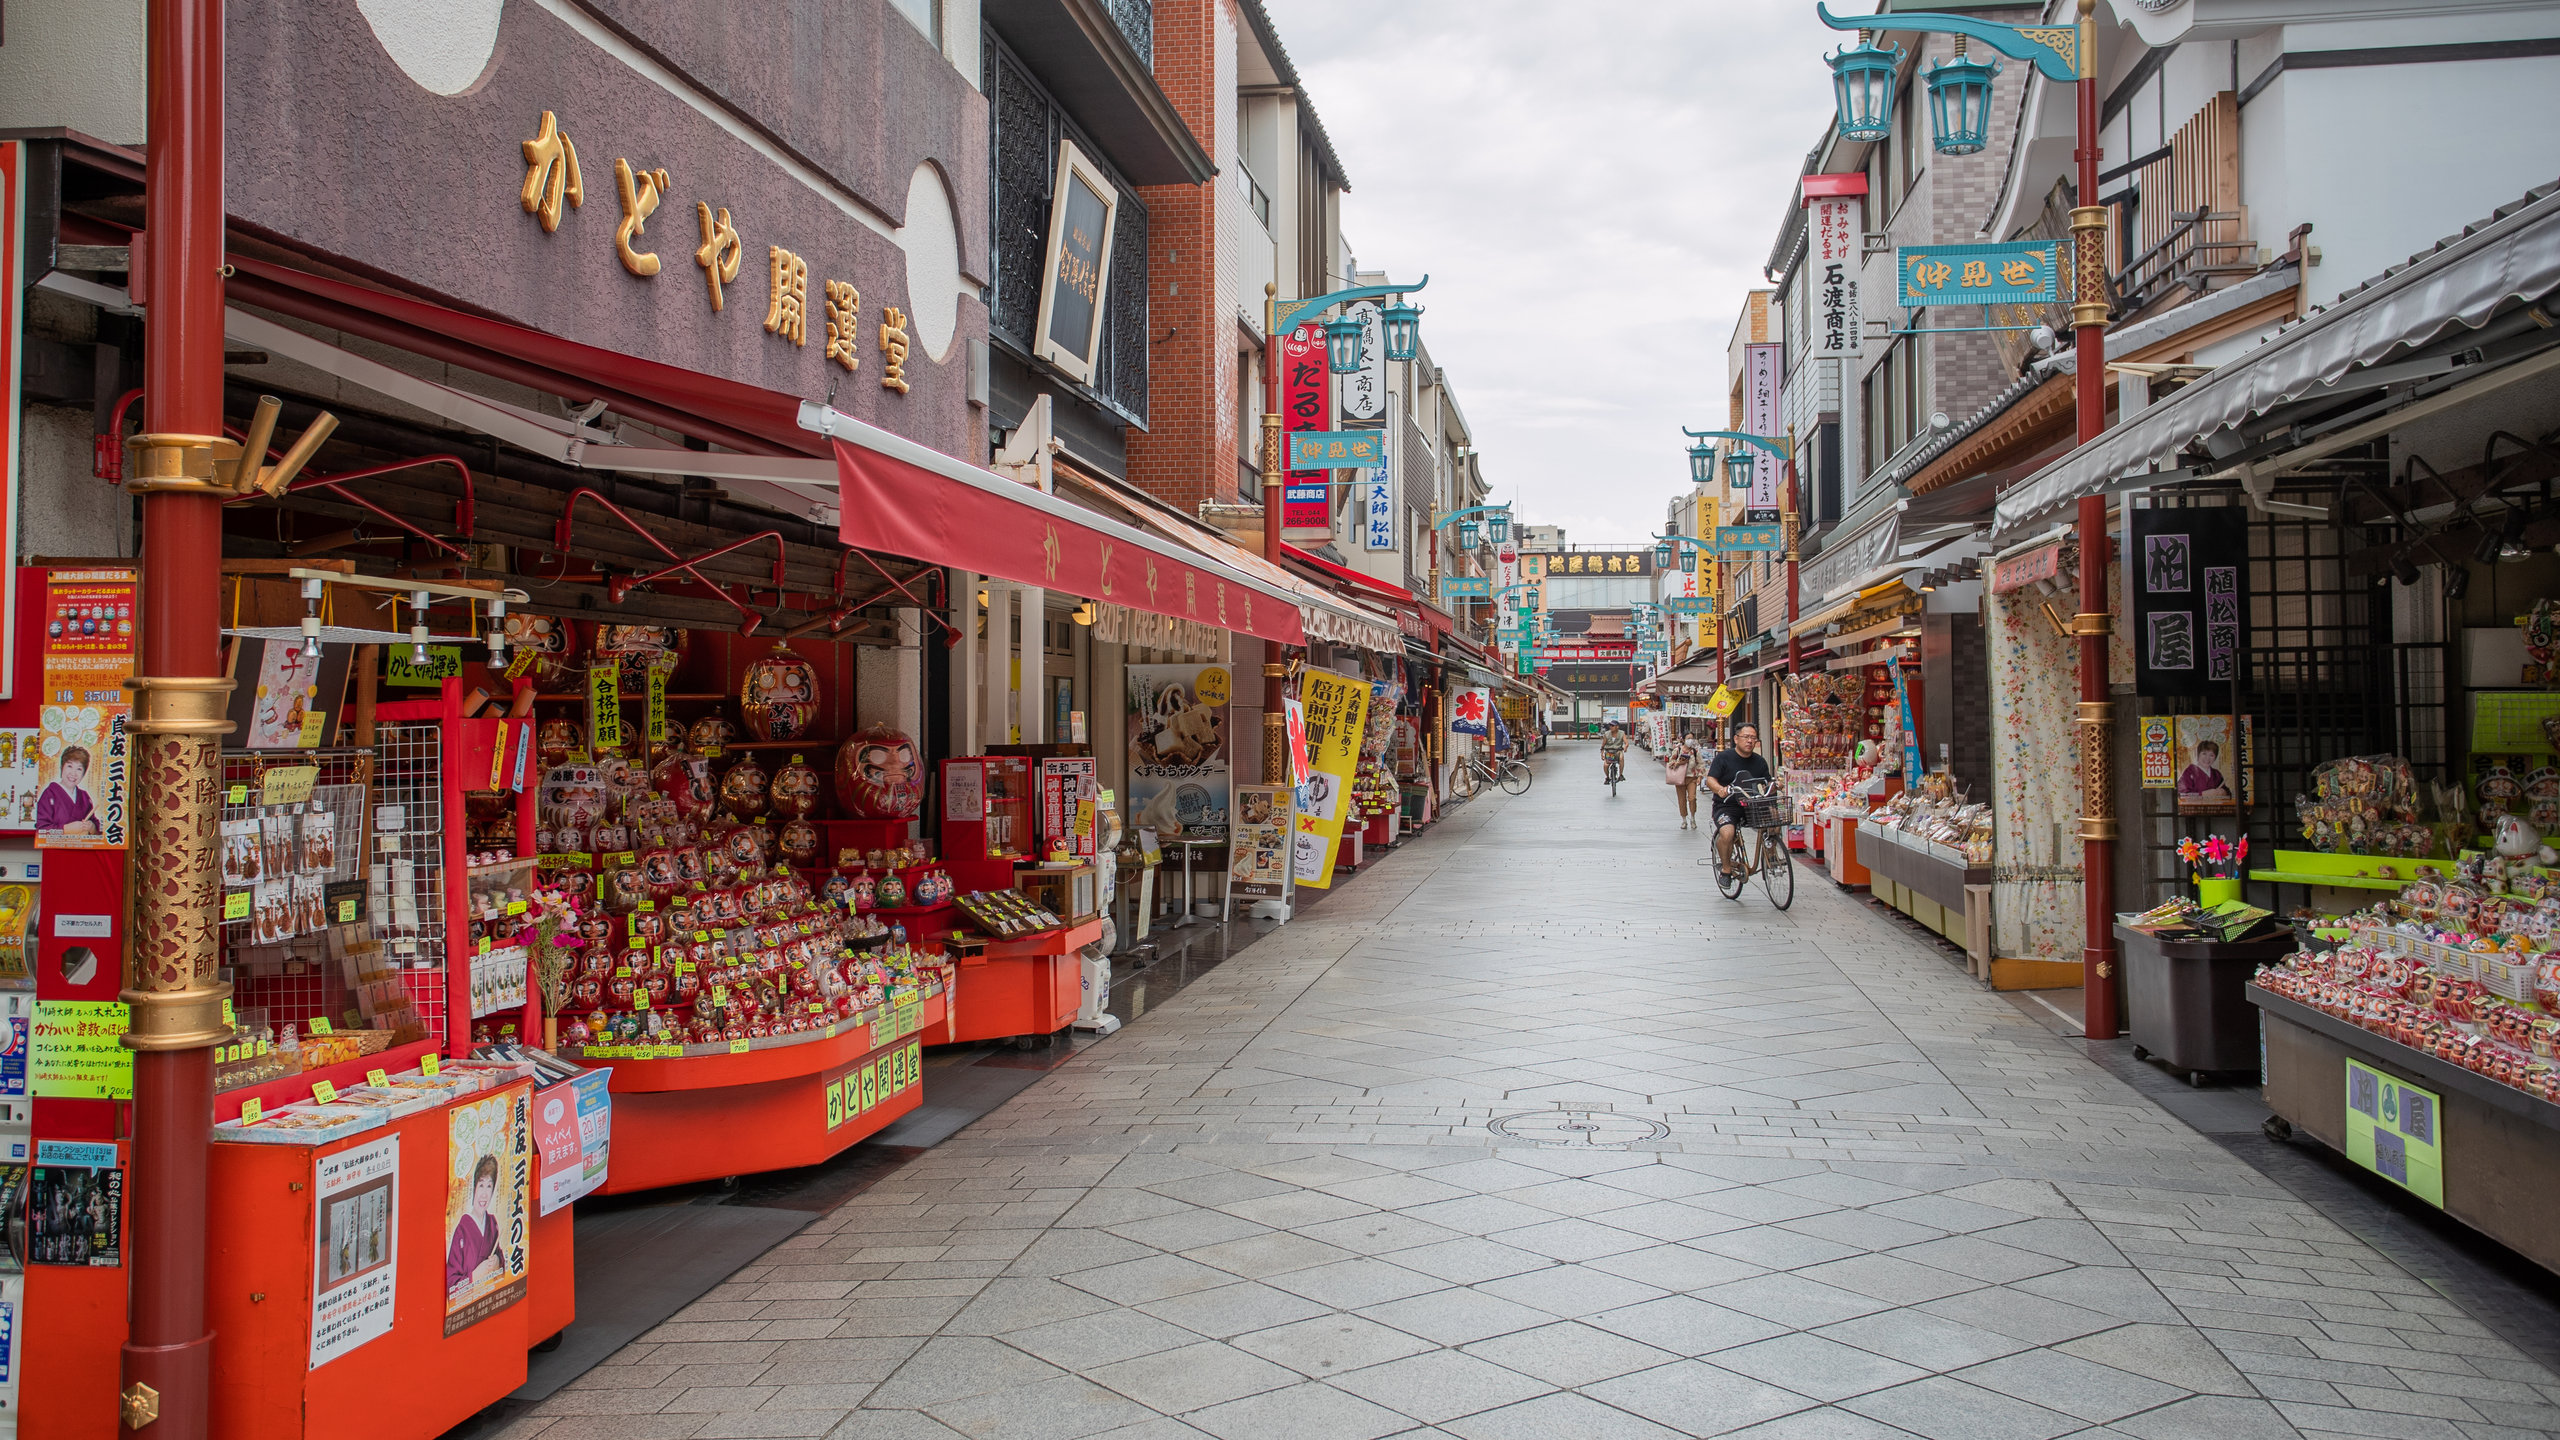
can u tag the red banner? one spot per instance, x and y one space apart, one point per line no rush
898 508
1306 403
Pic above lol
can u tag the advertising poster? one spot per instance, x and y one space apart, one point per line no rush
1178 748
2204 757
75 1205
19 782
1306 403
2159 765
573 1127
75 1051
1265 820
356 1217
283 695
90 647
488 1208
1069 790
1337 719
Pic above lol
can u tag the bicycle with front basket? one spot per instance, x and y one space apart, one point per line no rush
1766 814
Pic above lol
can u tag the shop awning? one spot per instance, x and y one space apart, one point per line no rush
1875 593
2514 257
1322 612
905 499
1359 583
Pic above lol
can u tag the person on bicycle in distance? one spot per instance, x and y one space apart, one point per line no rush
1738 762
1613 753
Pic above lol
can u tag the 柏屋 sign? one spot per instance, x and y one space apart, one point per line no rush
2019 272
2186 577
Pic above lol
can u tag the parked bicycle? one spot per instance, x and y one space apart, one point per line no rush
1760 846
1474 773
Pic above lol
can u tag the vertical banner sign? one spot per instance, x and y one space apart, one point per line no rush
1337 715
1306 403
657 711
488 1209
13 291
1068 789
356 1225
1833 234
604 707
1178 771
2186 592
1364 391
1910 732
1760 417
82 765
1378 496
1294 713
1265 819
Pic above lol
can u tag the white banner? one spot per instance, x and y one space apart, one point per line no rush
1760 417
1835 224
1378 496
1364 391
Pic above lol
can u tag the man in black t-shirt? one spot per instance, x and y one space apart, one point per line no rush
1741 761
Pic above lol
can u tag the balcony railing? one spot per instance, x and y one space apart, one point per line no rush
1137 22
2201 246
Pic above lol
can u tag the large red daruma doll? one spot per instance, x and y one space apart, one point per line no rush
878 776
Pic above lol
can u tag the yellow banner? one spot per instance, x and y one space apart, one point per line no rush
1337 713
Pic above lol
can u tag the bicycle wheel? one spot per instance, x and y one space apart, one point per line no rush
1462 782
1777 868
1731 884
1515 777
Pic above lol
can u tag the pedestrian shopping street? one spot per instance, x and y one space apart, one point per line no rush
1525 1132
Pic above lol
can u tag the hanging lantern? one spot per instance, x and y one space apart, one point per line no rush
1702 463
1688 562
1466 534
1862 80
1501 526
1403 321
1662 556
1960 103
1342 336
1741 466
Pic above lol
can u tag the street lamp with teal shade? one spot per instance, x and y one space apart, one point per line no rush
1862 82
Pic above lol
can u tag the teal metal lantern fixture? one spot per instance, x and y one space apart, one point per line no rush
1343 335
1862 81
1960 102
1662 556
1702 463
1501 526
1403 322
1467 535
1741 467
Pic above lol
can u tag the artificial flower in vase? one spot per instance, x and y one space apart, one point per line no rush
2215 865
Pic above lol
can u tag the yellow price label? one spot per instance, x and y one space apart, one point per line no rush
236 795
235 904
227 1017
251 1111
319 1025
515 907
323 1091
431 1062
737 1047
376 1078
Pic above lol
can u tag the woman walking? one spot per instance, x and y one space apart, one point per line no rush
1680 771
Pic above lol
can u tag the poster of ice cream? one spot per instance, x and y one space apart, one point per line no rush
1178 771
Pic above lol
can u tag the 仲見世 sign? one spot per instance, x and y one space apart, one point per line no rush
2019 272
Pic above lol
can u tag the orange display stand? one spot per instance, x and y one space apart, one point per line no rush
1840 854
1030 986
682 1119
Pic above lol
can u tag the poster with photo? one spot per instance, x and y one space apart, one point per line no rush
285 696
488 1210
75 1205
1337 718
1265 824
90 648
1178 770
356 1216
2212 765
573 1126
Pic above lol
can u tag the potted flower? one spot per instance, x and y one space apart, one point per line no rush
2214 863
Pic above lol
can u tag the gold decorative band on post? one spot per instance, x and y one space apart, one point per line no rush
1275 726
2089 622
1270 450
173 947
170 462
2097 769
2089 257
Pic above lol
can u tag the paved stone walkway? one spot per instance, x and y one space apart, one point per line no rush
1529 1135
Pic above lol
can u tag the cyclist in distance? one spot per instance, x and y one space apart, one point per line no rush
1740 761
1613 753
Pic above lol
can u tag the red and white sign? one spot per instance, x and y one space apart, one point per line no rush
1832 226
1306 403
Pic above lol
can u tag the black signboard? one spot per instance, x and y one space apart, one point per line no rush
1600 562
1075 287
2186 574
1583 678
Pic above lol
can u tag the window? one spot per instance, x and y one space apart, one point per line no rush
926 16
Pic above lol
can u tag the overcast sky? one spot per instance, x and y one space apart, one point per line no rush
1592 189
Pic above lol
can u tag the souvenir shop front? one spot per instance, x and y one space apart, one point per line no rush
2338 729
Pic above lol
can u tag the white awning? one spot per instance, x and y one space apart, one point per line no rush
2515 256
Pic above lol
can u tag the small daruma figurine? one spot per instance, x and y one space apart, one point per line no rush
877 775
780 695
796 790
745 789
545 649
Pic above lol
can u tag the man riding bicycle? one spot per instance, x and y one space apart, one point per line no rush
1733 765
1613 754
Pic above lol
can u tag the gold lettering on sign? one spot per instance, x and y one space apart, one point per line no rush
787 314
1106 566
893 348
844 313
721 252
1049 555
551 174
1190 593
641 190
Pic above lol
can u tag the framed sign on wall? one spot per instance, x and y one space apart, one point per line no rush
1082 209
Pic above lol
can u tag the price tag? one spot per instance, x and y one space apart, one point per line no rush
323 1091
235 904
251 1110
227 1017
701 937
236 795
622 972
639 999
319 1025
515 907
484 944
375 1077
430 1062
737 1047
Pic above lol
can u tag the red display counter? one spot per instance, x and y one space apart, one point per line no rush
1029 986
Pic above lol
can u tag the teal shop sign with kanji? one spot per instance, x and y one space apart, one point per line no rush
1690 604
1454 586
1336 449
2021 272
1750 537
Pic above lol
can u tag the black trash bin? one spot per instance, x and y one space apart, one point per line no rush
2185 1000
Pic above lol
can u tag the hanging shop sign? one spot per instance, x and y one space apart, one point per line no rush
1750 537
355 1245
1178 770
1364 391
1834 235
83 760
1600 650
1690 604
1587 679
1910 732
2018 272
1336 449
2186 577
1306 403
2394 1129
2020 571
1470 710
1760 367
1082 211
1262 854
1458 587
1337 713
1378 509
1723 702
1601 562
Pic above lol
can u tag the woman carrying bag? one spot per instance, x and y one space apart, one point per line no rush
1680 771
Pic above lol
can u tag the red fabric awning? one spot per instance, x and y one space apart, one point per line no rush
1012 532
1370 583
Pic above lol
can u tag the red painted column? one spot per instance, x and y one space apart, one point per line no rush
2098 962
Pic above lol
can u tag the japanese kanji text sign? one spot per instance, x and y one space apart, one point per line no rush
2020 272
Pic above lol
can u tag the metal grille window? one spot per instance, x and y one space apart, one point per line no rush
1022 160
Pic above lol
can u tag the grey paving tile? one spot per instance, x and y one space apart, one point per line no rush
1675 1267
1824 1423
1457 1316
1331 1344
1065 1408
1773 1247
1973 1256
1440 1385
1091 1340
954 1368
1791 1300
1275 1252
1193 1376
1572 1239
1945 1409
1697 1397
1812 1365
1931 1342
1299 1412
2076 1387
1890 1278
1351 1284
1233 1309
2015 1313
1558 1417
1018 1304
2213 1417
1468 1260
1685 1326
1379 1233
1187 1228
1569 1353
1571 1290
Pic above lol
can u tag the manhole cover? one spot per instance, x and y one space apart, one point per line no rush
1592 1128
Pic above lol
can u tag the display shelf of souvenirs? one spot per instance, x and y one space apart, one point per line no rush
1824 715
384 1097
1938 817
1007 914
2373 804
